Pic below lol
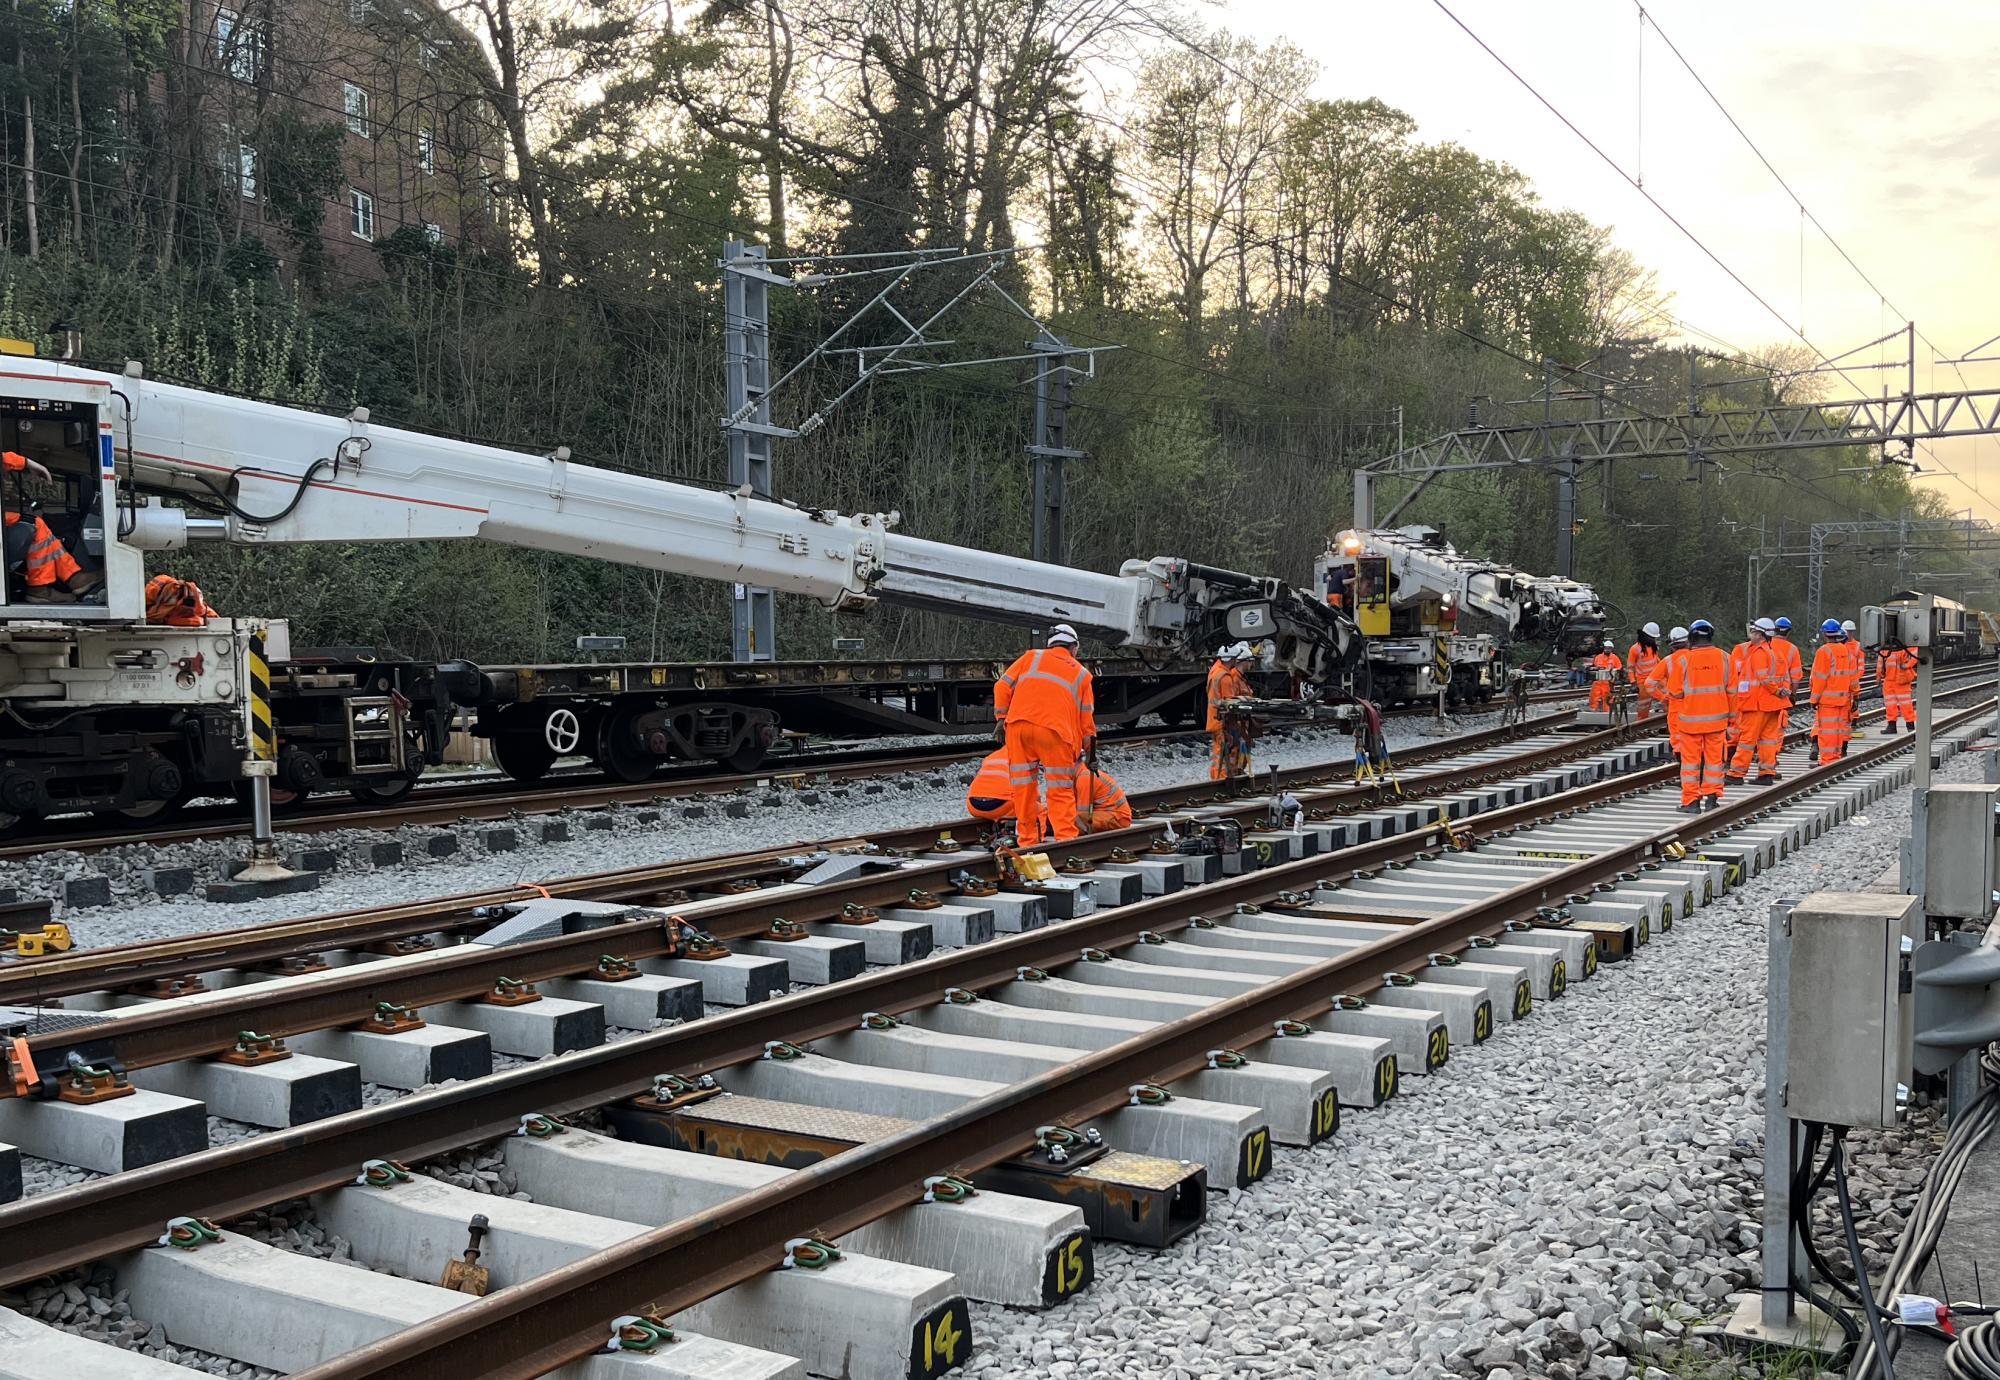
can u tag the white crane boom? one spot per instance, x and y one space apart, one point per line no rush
267 473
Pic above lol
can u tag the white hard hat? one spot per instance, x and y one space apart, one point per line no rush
1240 652
1847 625
1062 634
1766 626
1607 643
1650 629
1679 634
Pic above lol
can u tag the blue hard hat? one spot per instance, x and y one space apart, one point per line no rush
1784 624
1701 625
1831 626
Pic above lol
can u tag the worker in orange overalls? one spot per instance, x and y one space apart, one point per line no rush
177 603
1832 692
991 794
1788 653
1048 705
1897 671
1654 687
1100 802
1698 688
1763 706
1640 661
1605 666
47 568
1229 746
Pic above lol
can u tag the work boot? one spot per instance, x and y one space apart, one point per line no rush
1714 802
48 594
1768 779
84 582
1693 808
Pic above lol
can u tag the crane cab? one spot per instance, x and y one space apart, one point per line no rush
63 562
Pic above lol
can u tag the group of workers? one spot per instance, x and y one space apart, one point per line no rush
1045 708
1727 712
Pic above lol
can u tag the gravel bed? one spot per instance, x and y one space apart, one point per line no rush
90 1304
1578 1197
763 816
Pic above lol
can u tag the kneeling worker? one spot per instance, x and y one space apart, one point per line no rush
1100 802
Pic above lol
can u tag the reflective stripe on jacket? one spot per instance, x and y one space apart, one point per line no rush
1759 683
1829 684
1049 688
1698 678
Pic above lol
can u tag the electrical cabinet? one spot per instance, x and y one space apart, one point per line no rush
1851 1011
1961 855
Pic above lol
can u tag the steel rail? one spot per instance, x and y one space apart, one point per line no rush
68 1227
30 981
510 799
534 1327
208 1023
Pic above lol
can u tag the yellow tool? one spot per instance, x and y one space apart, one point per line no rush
52 938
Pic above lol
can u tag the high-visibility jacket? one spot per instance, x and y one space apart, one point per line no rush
1760 685
1049 688
1640 661
1654 686
1227 684
176 602
1790 663
1100 801
1832 682
1607 661
1698 680
1897 669
993 782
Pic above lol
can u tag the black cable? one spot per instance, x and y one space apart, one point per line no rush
1868 1305
1975 1353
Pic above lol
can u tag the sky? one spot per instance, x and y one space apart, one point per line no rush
1880 116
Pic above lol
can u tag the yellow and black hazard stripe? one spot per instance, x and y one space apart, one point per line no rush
263 733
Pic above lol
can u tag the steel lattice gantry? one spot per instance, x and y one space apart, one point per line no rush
1908 417
1978 534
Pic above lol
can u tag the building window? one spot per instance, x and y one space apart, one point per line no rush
239 45
357 111
426 149
361 213
246 171
433 232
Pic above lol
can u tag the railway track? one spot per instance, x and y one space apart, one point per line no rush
460 801
1131 1017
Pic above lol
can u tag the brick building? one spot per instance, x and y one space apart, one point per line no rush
402 80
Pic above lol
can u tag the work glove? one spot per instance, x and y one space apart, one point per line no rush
1000 731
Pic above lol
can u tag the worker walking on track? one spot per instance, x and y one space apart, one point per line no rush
1641 660
1048 705
1653 689
1698 691
1832 693
1897 671
1763 706
1100 802
1229 744
1604 667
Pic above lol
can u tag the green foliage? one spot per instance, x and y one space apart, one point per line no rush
1297 285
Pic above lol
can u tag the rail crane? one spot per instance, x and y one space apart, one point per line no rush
1410 592
104 711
